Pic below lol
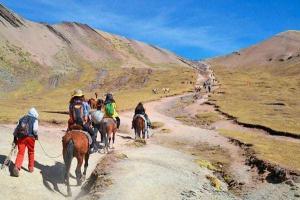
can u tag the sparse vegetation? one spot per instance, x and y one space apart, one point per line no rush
202 119
165 130
214 181
157 125
277 151
267 96
206 164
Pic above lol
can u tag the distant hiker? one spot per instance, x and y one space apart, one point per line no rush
79 113
110 108
96 117
25 134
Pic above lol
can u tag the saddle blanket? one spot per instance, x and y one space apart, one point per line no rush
88 136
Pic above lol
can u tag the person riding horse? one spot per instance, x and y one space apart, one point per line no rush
79 114
140 110
110 109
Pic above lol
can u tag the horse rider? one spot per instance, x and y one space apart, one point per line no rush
140 110
110 109
25 134
97 117
79 114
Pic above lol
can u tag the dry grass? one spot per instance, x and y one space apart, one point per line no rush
267 96
127 94
214 181
165 130
277 151
202 119
207 118
206 164
137 143
157 125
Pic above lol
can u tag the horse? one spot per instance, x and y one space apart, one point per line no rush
197 88
108 129
166 90
75 144
93 102
100 103
155 90
139 127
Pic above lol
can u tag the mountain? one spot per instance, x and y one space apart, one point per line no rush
259 85
277 50
40 64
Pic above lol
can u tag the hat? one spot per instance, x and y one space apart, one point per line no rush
33 112
77 93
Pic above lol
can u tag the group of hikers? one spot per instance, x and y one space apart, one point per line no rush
80 115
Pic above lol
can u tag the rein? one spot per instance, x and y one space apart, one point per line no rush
46 154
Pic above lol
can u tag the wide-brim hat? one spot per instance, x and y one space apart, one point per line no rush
77 93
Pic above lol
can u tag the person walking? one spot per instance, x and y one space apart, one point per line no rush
25 134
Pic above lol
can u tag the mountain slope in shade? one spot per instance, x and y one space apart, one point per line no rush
283 47
28 48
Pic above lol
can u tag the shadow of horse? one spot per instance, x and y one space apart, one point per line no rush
52 175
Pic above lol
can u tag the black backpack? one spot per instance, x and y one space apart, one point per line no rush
23 127
77 110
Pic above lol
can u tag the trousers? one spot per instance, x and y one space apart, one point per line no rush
23 143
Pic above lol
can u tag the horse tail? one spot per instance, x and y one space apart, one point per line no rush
69 155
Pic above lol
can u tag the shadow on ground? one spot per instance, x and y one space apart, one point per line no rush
52 175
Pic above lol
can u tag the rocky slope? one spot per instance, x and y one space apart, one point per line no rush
55 51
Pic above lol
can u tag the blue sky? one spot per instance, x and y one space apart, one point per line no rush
195 29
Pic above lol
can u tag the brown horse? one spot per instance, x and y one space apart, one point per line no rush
139 127
75 144
108 129
93 102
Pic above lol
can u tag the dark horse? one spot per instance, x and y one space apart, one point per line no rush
75 144
108 128
139 126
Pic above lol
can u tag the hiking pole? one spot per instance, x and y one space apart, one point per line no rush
7 160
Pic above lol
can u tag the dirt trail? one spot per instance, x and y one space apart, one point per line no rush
159 170
46 182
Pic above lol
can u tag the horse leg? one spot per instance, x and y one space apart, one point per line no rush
78 169
68 156
109 141
106 142
86 164
113 139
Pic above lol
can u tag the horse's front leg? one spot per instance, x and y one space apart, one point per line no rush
78 169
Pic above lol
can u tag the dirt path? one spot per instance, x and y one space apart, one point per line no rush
165 168
46 182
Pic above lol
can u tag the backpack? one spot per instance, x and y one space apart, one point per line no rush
97 116
109 109
23 127
77 110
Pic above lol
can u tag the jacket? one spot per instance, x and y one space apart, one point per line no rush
115 114
33 122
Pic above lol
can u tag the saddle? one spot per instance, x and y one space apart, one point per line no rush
140 115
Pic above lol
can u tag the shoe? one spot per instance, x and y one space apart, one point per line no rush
15 172
30 170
